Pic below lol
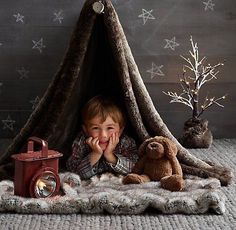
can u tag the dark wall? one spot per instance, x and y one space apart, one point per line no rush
25 70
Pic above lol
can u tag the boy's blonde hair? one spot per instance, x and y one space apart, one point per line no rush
102 107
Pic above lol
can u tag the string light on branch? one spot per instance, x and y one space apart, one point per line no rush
199 74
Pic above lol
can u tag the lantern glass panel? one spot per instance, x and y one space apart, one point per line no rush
45 185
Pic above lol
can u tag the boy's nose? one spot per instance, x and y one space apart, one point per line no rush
103 133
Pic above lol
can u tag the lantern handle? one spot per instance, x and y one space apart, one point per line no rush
43 143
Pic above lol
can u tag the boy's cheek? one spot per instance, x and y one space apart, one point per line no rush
92 134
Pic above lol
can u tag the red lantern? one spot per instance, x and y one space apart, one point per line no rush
36 172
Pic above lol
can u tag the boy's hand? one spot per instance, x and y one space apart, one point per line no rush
94 145
113 141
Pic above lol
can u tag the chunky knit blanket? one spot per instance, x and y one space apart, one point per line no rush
106 193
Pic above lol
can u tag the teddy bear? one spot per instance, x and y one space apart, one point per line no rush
157 162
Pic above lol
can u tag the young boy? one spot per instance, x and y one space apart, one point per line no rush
102 146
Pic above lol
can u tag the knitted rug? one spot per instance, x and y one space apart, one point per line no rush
106 193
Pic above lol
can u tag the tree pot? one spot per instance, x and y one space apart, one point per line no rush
196 134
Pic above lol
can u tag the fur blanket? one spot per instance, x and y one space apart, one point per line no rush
106 193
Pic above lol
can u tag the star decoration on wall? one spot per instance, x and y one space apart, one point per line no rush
23 73
35 102
155 70
146 15
58 16
171 43
19 17
8 123
38 45
209 5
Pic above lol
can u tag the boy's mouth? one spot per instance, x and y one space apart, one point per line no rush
103 142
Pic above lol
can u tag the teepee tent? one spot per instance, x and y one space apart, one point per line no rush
99 60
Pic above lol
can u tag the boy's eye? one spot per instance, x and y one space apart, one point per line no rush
94 128
110 128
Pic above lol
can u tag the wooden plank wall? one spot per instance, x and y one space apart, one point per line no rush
25 72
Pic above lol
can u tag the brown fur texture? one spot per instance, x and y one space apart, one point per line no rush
99 42
158 162
196 134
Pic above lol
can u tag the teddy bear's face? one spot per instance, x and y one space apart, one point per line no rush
155 150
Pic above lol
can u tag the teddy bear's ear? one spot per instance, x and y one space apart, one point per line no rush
169 146
142 147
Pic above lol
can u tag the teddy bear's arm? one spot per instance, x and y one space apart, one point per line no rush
139 166
176 166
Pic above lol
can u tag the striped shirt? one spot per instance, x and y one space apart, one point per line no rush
78 162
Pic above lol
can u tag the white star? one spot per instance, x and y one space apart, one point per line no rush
23 73
19 17
1 44
35 102
171 43
146 15
208 5
58 16
8 123
38 45
155 70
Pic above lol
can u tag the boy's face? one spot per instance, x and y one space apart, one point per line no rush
102 130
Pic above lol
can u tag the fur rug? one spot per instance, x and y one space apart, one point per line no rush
106 193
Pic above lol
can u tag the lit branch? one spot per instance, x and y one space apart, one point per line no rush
179 98
208 73
192 84
209 102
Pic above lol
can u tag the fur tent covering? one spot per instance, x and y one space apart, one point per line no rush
99 60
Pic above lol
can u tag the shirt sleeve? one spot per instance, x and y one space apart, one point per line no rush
79 162
127 156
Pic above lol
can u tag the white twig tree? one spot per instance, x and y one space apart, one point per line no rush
192 84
